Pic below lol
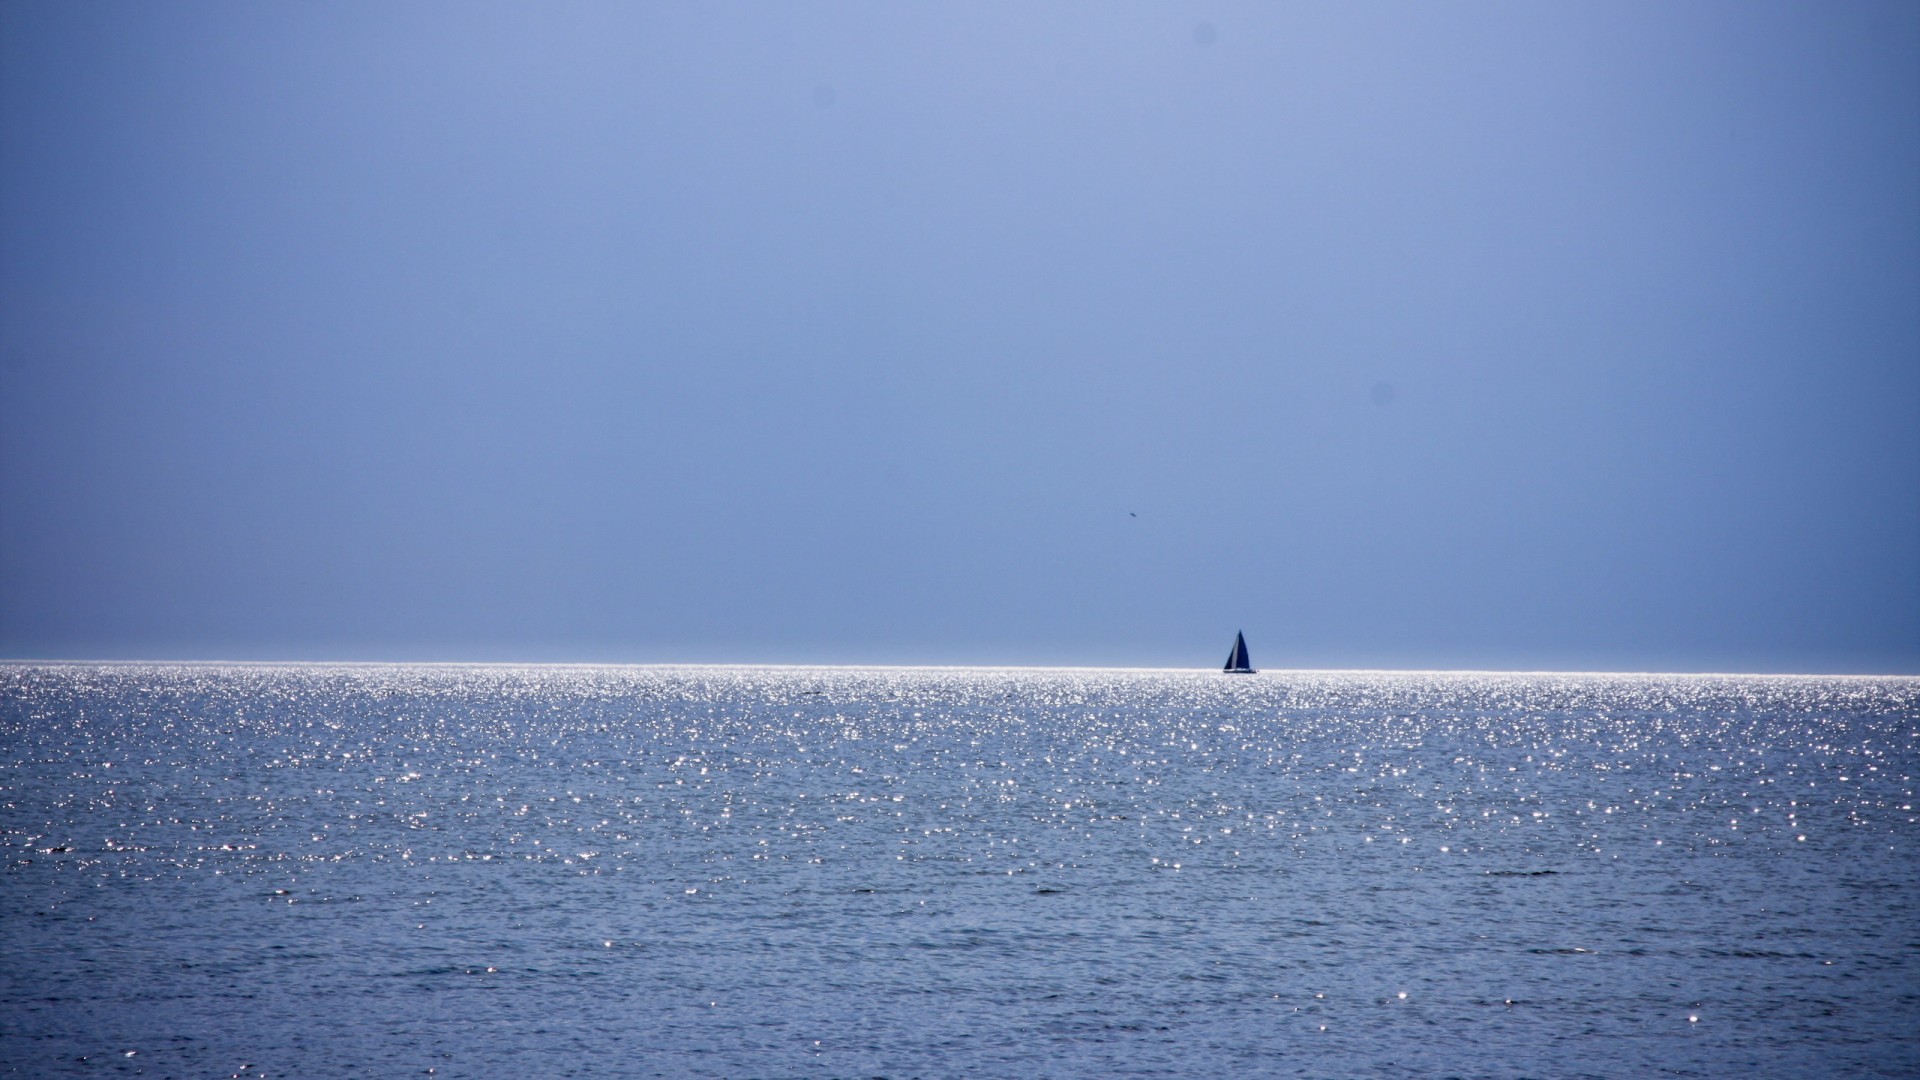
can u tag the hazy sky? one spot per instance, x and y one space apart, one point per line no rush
1569 335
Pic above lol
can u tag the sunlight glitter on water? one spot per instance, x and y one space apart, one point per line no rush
995 870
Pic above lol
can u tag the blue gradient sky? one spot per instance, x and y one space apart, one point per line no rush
1578 335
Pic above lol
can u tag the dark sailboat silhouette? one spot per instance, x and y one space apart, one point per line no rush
1238 662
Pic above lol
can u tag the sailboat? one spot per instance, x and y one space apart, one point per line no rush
1237 661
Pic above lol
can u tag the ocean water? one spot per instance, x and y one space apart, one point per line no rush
318 871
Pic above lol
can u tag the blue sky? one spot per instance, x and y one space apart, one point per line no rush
1580 335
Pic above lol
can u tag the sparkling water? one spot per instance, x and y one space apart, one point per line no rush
314 871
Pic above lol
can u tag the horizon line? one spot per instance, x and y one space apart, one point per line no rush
81 662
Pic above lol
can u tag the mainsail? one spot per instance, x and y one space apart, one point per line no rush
1237 660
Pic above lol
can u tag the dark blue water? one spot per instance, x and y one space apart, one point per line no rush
532 871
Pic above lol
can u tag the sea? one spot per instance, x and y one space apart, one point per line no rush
556 871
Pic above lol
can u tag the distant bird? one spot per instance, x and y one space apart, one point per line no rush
1132 514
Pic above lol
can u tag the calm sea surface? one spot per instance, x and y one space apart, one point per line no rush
318 871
